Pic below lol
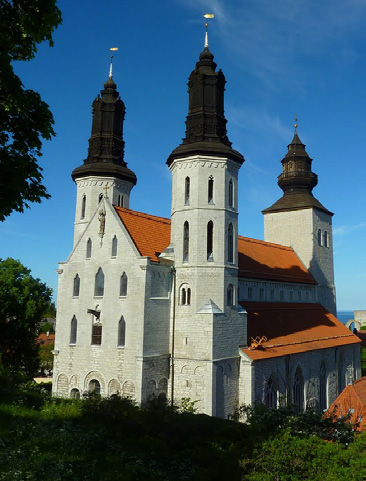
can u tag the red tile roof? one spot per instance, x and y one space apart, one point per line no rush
292 328
44 339
150 234
353 397
264 260
257 259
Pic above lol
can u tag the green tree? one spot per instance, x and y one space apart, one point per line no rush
24 118
23 300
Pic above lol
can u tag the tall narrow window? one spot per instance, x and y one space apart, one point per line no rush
188 296
325 239
114 246
186 242
100 198
231 193
270 394
76 287
210 189
83 205
122 202
121 332
123 285
319 237
183 296
322 387
97 334
186 190
210 241
230 296
73 330
99 283
119 200
88 248
230 243
298 390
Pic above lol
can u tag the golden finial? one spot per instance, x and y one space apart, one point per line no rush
296 124
206 16
112 49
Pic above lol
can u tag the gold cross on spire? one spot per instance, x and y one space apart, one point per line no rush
105 188
112 49
207 16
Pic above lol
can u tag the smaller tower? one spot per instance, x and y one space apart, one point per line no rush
104 168
299 220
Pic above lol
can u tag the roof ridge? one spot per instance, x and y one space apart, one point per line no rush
308 340
262 242
142 214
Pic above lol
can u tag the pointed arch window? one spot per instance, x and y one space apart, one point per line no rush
187 186
114 246
230 296
322 387
319 237
83 206
325 239
298 390
122 332
186 241
99 283
231 193
73 330
123 285
230 243
88 248
185 295
270 394
210 241
210 189
76 286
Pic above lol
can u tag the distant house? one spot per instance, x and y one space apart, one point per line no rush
352 400
46 338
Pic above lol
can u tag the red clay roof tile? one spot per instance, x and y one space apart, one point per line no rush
292 328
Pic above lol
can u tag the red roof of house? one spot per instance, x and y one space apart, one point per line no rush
257 259
264 260
150 234
292 328
44 339
352 400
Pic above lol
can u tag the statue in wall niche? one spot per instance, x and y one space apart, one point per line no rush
101 222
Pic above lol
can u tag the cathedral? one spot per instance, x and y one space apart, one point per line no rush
186 307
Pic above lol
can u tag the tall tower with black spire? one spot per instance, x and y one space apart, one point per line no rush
209 326
299 220
104 171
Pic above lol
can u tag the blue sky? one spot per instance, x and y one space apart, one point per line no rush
279 58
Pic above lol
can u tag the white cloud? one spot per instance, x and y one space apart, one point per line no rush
348 229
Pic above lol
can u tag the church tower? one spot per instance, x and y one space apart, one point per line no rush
208 325
299 220
104 169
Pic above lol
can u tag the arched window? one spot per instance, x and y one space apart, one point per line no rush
114 246
75 393
121 332
123 285
73 330
187 190
83 205
186 241
210 189
210 241
100 198
97 334
231 193
298 390
185 295
319 237
230 295
88 248
188 296
322 387
270 394
99 283
230 243
94 386
325 239
76 287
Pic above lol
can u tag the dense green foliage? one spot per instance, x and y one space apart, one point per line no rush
114 439
23 300
24 118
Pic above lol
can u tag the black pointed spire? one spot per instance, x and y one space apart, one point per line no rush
297 180
106 144
206 124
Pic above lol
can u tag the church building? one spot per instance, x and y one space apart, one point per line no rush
187 307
